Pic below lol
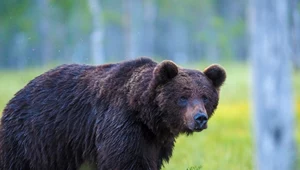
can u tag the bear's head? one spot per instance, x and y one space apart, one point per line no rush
185 98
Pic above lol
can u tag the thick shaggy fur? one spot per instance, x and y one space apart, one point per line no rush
117 116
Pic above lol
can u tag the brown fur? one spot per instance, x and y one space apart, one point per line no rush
117 116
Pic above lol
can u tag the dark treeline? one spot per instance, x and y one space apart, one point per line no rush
39 32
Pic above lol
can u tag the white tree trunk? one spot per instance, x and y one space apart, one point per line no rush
132 20
273 111
295 33
178 41
44 30
150 12
97 49
19 52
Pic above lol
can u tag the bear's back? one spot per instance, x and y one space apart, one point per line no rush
52 120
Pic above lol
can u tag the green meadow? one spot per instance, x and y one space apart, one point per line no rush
227 144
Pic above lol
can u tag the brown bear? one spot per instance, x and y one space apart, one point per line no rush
122 116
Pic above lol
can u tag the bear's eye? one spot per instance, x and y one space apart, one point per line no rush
182 101
205 99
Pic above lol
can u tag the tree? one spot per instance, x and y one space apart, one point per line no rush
97 50
150 13
295 32
44 30
273 111
132 20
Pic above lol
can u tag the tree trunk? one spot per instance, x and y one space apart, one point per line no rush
132 19
178 41
44 30
212 47
150 13
19 52
97 49
273 110
295 33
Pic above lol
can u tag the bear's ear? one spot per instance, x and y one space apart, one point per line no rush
216 74
165 71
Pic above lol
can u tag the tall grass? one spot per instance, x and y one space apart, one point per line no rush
228 141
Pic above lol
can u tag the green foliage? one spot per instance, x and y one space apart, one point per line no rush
65 7
222 34
14 17
112 17
11 10
188 11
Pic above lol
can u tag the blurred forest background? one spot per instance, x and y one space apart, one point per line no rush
39 32
36 35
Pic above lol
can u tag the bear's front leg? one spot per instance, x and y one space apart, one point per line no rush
123 147
121 156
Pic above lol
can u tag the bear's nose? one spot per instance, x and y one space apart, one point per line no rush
201 120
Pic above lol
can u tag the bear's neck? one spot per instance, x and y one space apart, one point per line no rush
139 89
141 98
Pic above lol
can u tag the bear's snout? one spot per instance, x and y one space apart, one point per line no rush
200 121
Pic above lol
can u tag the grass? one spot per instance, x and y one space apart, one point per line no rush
228 141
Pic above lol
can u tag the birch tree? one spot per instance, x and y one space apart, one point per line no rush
150 13
132 20
97 49
273 111
295 33
44 30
